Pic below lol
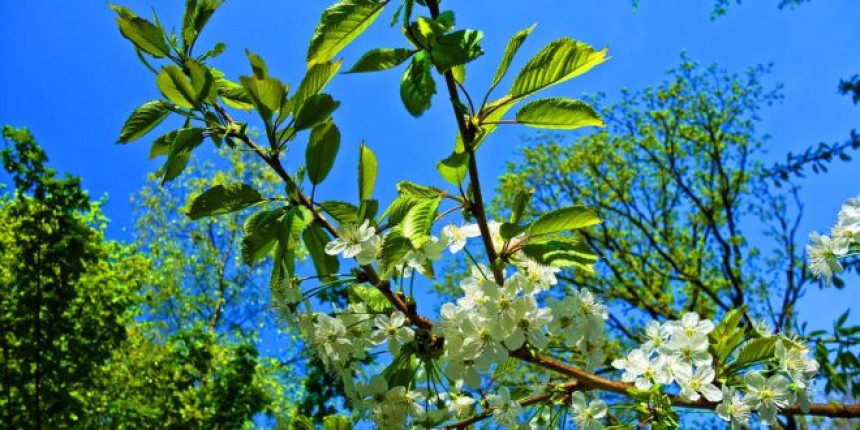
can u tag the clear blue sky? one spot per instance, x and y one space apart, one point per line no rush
70 77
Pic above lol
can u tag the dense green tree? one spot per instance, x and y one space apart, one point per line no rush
67 292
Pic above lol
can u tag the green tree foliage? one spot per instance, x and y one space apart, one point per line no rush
677 175
67 292
192 355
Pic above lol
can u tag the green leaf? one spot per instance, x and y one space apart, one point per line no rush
558 113
561 253
339 25
258 66
454 168
343 212
261 232
314 81
559 61
417 86
336 422
183 143
419 220
393 249
202 81
753 352
519 205
459 73
563 219
197 14
223 199
316 109
420 191
368 208
145 35
381 59
511 51
375 301
367 168
176 87
266 94
233 94
161 146
399 208
142 120
457 48
321 151
315 239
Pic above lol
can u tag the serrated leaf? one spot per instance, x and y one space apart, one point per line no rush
314 81
560 253
266 94
420 191
367 168
753 352
145 35
398 209
343 212
417 86
519 205
142 120
223 199
197 14
563 219
183 143
316 109
381 59
419 220
375 301
454 168
233 94
511 51
559 61
272 226
258 65
315 239
176 86
457 48
392 251
321 151
558 113
202 81
339 25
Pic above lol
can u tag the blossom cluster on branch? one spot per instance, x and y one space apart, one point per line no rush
824 252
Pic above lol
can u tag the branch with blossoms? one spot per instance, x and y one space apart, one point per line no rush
825 254
451 372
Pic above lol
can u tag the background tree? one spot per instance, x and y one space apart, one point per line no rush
193 353
67 293
693 221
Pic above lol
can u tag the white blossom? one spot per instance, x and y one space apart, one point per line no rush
355 241
822 255
458 236
699 382
793 360
505 409
767 396
587 416
733 409
393 330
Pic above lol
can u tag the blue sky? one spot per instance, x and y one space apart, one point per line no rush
73 80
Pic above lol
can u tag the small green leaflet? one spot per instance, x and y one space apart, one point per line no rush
339 25
176 87
392 251
417 86
314 81
457 48
142 120
454 168
367 168
223 199
559 61
145 35
321 151
560 253
315 239
381 59
316 109
563 219
266 94
375 301
183 143
342 212
510 51
419 220
558 113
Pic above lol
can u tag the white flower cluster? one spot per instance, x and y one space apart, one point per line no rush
677 352
823 252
